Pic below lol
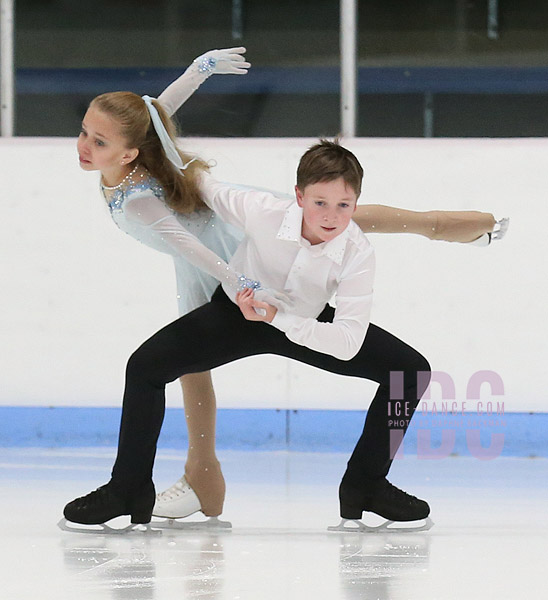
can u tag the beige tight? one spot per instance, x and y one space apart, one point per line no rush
202 470
450 226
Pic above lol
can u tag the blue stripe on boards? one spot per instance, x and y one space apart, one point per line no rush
429 437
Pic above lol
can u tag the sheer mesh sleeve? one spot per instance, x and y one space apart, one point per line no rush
178 92
148 211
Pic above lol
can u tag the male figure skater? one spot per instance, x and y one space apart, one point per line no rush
296 257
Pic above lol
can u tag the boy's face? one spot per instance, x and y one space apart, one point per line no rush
327 207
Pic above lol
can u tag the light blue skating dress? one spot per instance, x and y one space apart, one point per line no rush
200 243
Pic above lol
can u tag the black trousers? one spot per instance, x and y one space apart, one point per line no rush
216 334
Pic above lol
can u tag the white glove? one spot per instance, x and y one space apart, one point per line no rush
280 300
227 61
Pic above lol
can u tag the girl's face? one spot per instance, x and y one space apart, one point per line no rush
101 147
327 209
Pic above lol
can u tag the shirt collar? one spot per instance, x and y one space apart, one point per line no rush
290 230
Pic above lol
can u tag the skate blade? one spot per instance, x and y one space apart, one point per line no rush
211 524
356 526
500 229
104 529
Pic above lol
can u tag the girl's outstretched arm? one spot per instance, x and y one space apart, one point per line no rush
451 226
228 61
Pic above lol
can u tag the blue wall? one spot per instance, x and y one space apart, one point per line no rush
519 434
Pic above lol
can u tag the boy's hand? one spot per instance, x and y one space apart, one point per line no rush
250 307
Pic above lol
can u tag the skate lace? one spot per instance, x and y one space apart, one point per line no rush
178 489
394 492
98 497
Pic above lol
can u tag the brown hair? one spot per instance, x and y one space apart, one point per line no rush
131 113
327 161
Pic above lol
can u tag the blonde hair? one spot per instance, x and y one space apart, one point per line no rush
131 113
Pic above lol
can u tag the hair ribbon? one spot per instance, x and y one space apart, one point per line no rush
167 143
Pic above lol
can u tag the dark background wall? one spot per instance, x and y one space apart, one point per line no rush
415 54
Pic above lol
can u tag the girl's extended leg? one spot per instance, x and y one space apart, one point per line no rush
450 226
202 469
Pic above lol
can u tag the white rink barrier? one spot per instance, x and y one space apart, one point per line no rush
78 296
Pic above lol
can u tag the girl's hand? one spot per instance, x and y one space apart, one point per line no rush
250 307
227 61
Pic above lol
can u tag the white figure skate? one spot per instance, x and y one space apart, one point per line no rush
178 502
499 231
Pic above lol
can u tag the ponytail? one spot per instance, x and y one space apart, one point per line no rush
130 111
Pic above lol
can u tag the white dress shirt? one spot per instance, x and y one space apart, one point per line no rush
275 253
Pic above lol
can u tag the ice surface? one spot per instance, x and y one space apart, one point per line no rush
489 538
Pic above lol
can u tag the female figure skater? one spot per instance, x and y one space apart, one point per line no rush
151 190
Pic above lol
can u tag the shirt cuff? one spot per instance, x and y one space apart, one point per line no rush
285 321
